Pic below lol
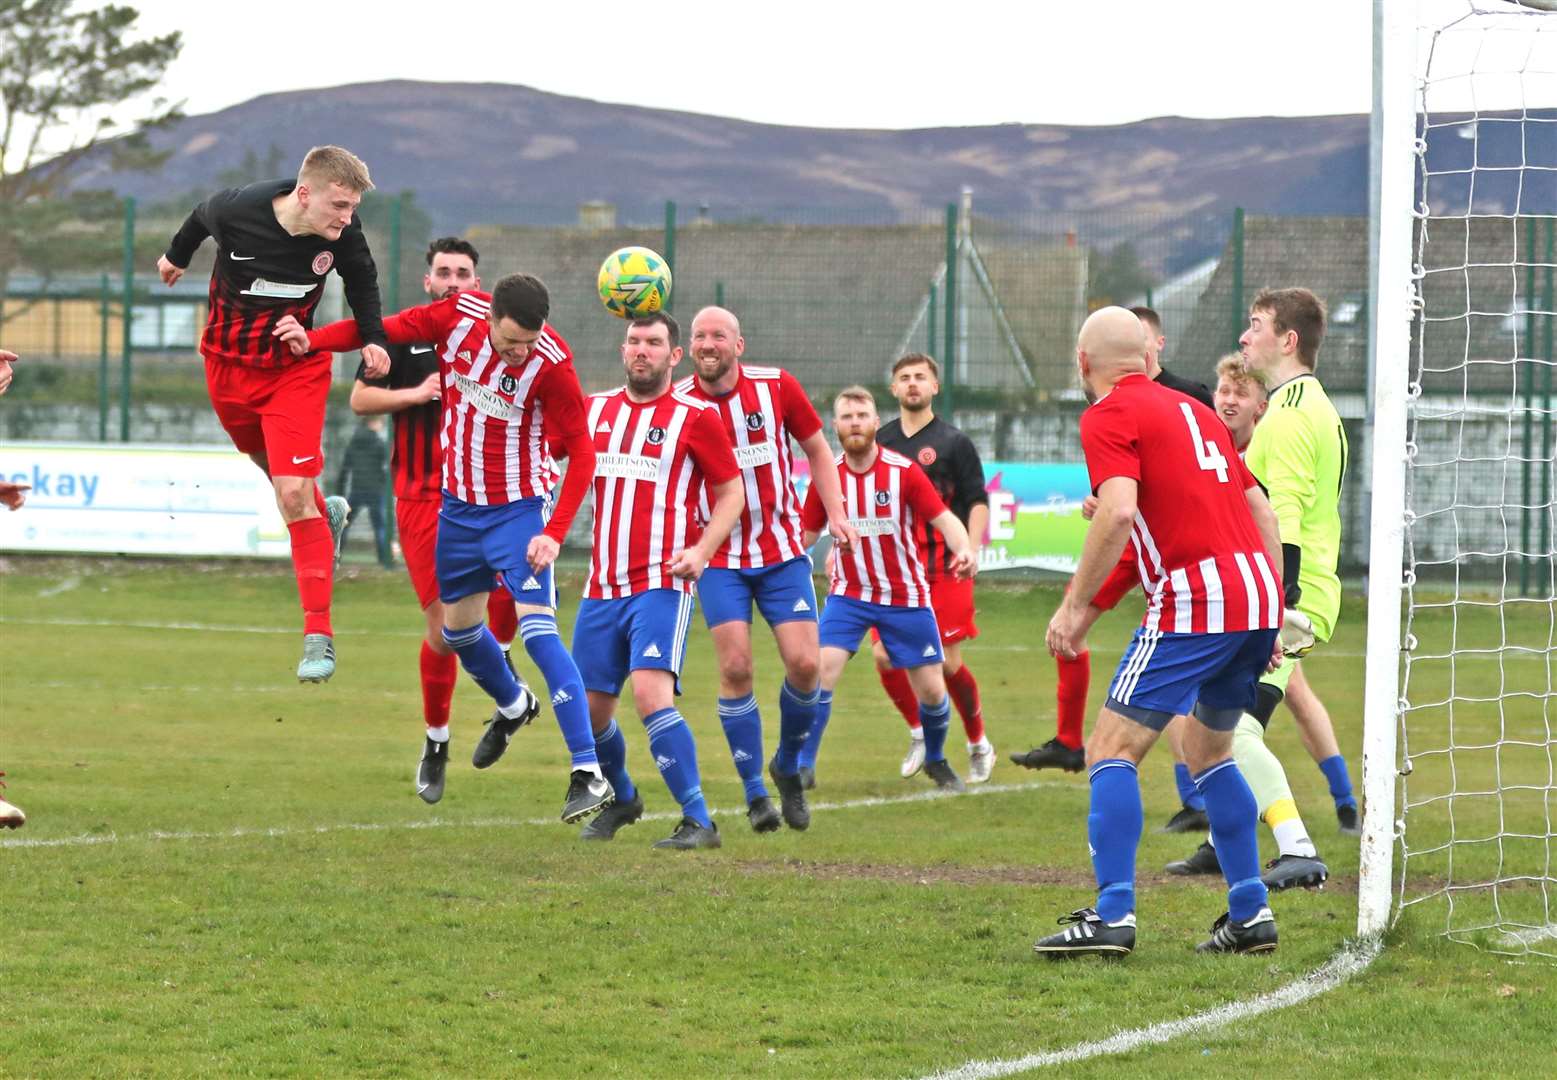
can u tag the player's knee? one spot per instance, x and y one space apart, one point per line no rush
651 697
295 501
878 653
803 671
736 674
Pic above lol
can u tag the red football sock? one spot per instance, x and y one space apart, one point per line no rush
439 674
895 682
964 691
502 619
313 560
319 500
1075 680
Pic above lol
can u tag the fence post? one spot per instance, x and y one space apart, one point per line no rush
719 294
1545 547
1240 316
104 301
949 355
670 248
1528 433
929 330
129 317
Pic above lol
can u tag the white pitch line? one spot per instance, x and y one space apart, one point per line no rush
1353 957
226 628
158 836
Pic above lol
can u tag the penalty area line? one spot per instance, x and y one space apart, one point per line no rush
158 836
1352 958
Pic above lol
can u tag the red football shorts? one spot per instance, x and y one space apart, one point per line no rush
952 601
418 521
278 412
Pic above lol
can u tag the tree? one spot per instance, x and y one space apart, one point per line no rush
65 75
1117 277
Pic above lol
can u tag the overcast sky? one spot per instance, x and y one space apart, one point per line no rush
833 63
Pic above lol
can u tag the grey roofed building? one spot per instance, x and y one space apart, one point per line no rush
1475 278
832 304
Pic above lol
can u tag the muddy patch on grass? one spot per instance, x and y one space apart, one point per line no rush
953 874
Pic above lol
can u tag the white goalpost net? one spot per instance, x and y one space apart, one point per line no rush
1461 716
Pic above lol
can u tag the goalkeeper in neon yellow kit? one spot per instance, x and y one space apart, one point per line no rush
1298 453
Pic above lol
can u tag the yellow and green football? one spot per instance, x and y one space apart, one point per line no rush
634 281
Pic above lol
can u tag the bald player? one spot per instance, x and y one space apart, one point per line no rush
1170 484
764 560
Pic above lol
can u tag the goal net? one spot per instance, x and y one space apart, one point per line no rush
1466 404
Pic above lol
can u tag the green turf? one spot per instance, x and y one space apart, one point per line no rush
265 894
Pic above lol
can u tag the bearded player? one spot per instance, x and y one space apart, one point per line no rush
764 560
276 241
949 458
657 451
880 585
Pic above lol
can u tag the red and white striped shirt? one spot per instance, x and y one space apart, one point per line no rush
885 504
1202 562
765 407
651 462
496 418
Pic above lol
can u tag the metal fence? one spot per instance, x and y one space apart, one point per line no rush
834 297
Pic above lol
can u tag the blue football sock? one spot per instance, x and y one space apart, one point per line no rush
797 713
611 750
1234 830
670 741
1189 795
482 656
565 684
934 720
743 731
1114 831
1334 769
813 743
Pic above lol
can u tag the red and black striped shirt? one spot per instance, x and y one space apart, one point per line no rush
951 461
417 459
263 273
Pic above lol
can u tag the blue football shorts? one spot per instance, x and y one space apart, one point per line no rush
910 634
784 593
478 543
613 638
1165 675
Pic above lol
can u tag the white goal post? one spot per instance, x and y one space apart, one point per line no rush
1460 702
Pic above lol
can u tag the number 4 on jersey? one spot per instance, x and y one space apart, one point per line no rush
1206 453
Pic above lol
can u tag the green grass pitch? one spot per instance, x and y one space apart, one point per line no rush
247 884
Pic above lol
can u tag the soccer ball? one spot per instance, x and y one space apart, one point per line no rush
634 281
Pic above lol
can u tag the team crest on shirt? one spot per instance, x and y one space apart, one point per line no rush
883 498
754 421
508 384
322 262
926 456
656 436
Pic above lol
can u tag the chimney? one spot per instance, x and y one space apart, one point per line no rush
597 215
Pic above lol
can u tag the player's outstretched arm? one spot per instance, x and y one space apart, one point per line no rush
729 501
1106 539
824 481
175 260
963 562
368 400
